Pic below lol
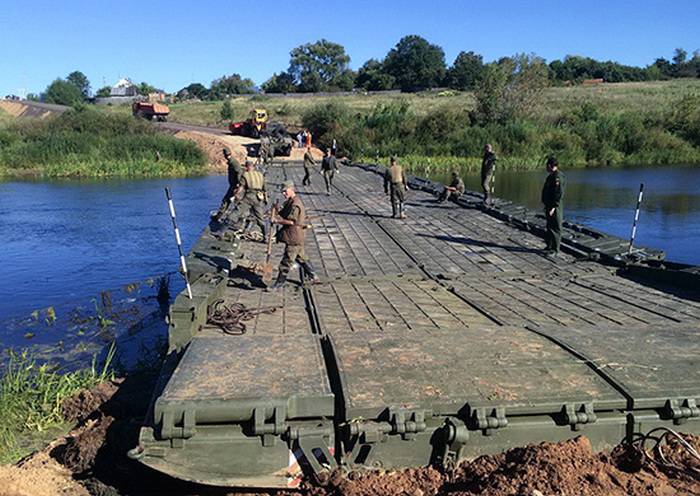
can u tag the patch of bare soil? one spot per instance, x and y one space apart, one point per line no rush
17 109
213 147
91 460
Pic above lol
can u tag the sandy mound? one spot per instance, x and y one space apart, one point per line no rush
17 109
39 475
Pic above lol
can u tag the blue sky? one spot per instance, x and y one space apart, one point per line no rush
173 43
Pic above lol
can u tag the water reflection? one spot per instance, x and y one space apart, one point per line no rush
606 198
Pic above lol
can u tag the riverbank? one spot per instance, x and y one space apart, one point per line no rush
86 143
91 459
616 124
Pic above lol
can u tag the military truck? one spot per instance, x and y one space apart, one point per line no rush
150 111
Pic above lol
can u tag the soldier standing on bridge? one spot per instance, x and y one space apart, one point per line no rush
329 167
488 165
308 163
292 218
234 176
395 179
552 196
254 197
454 190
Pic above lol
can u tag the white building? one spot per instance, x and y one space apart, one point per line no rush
124 87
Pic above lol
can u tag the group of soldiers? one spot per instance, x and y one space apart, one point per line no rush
250 187
395 185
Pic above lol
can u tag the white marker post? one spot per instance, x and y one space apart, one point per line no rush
636 218
183 266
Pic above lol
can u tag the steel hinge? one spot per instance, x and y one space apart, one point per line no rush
405 422
269 431
187 422
578 416
489 419
680 410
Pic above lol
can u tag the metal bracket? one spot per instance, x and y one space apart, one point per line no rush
314 446
456 435
269 431
576 417
680 410
489 419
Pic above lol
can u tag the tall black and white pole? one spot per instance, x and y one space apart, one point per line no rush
183 265
636 218
493 181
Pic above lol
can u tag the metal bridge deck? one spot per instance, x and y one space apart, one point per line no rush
450 310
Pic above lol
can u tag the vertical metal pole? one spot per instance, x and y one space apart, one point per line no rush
636 218
183 266
493 181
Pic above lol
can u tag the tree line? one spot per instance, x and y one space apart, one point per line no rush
413 64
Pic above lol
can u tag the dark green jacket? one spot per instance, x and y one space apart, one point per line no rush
487 163
234 172
553 190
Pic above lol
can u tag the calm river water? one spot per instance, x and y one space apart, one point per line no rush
67 241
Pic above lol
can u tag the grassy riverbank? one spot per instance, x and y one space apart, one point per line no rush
30 402
89 143
650 123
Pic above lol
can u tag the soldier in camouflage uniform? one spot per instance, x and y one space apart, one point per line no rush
329 167
395 180
308 163
234 175
254 196
292 218
488 164
454 190
552 199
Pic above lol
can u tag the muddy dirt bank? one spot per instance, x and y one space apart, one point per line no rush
91 460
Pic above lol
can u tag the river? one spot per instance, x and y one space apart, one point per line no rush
65 241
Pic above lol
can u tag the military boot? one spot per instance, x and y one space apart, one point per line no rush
402 214
310 272
281 279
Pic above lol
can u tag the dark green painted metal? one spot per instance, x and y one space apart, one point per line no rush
443 337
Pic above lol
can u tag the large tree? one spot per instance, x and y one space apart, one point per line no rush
279 83
466 71
416 64
63 92
320 66
194 90
81 82
373 77
231 85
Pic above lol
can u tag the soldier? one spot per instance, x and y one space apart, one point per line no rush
254 196
552 196
308 163
395 179
329 167
455 188
488 164
234 175
292 217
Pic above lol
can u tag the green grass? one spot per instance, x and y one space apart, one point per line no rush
30 402
88 143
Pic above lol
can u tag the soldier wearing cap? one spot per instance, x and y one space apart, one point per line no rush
308 163
254 196
234 174
552 199
395 180
454 190
292 217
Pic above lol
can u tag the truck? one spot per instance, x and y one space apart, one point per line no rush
150 111
253 126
